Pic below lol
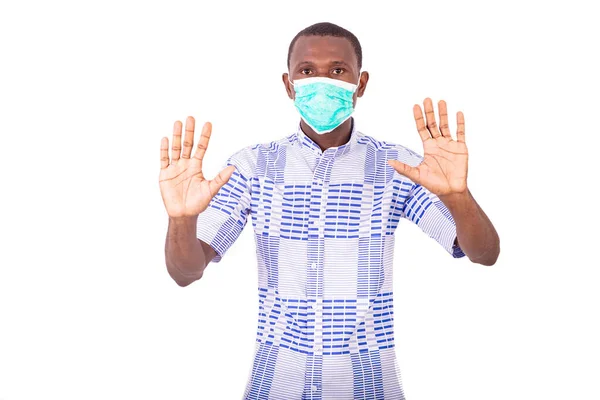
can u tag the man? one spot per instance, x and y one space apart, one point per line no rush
325 203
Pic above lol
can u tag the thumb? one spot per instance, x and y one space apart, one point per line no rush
411 173
221 179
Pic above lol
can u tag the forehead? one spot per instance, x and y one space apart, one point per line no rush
322 49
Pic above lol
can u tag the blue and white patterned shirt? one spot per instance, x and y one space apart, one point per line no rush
324 224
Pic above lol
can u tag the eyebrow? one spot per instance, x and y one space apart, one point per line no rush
304 63
311 63
340 63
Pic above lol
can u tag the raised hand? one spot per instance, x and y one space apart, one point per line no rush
444 167
184 190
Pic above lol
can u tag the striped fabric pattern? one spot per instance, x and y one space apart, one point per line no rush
324 224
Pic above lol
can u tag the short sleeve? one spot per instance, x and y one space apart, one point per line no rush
431 215
226 215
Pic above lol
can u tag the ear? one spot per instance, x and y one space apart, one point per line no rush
288 86
362 83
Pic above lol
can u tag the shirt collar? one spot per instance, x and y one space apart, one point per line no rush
307 143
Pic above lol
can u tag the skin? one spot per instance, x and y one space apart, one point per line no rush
186 192
444 173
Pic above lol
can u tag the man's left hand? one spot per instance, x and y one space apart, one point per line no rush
443 170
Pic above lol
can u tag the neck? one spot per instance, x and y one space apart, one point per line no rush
335 138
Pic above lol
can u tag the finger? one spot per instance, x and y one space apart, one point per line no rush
221 179
443 111
430 117
203 142
188 140
411 173
460 127
176 145
164 152
423 132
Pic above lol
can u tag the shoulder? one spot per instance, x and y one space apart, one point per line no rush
247 158
391 150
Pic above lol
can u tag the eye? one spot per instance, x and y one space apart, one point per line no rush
306 71
337 71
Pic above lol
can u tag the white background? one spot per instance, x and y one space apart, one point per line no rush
87 90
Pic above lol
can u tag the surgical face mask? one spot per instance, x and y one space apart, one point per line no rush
324 103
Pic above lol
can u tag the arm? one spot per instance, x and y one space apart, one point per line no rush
474 231
185 255
443 171
186 194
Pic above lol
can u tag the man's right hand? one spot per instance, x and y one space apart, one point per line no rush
184 190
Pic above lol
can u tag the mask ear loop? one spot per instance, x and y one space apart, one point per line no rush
358 83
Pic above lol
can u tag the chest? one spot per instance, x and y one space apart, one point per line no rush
328 198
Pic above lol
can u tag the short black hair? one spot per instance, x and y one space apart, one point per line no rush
328 29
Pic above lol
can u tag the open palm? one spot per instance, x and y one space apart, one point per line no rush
444 167
184 190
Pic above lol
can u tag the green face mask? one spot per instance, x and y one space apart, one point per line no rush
324 103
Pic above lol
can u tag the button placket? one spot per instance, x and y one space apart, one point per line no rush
317 309
316 234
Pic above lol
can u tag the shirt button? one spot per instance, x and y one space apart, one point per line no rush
318 348
313 265
315 388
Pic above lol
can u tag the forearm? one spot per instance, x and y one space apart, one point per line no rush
184 255
475 233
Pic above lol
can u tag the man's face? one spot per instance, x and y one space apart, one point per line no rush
324 56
